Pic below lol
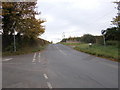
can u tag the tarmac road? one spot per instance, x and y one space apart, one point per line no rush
58 66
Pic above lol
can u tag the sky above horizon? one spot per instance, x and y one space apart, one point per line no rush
74 18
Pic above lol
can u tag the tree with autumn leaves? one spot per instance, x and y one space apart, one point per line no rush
19 17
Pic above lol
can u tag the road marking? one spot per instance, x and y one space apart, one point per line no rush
61 51
12 63
34 63
57 47
46 77
7 59
39 57
34 58
34 55
49 85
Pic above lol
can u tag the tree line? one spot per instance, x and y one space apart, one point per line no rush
111 37
19 18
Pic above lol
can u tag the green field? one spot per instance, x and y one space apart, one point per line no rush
110 52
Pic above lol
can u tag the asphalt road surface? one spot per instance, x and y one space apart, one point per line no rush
58 66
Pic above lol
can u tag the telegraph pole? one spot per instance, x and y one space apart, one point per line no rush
14 42
14 38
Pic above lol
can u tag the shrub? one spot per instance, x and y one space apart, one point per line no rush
88 38
114 43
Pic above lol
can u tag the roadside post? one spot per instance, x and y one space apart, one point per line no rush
103 34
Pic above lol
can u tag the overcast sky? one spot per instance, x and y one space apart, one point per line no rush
75 17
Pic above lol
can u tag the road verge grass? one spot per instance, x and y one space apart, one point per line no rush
110 52
25 50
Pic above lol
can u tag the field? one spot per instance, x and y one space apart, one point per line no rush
110 52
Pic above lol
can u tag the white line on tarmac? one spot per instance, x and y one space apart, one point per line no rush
46 77
13 63
61 51
34 55
7 59
34 58
57 47
39 57
49 85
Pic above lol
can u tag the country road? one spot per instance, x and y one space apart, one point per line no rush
58 66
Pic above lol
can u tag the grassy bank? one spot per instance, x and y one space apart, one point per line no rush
25 50
110 52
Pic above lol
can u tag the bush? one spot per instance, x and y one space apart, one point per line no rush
11 47
88 38
99 40
114 43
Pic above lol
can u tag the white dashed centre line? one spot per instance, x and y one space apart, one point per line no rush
7 59
34 58
61 51
57 47
46 77
39 57
49 85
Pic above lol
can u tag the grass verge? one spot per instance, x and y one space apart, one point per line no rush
25 50
110 52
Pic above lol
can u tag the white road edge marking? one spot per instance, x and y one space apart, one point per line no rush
49 85
7 59
46 77
34 58
39 57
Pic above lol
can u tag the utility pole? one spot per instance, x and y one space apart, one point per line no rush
14 38
14 42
